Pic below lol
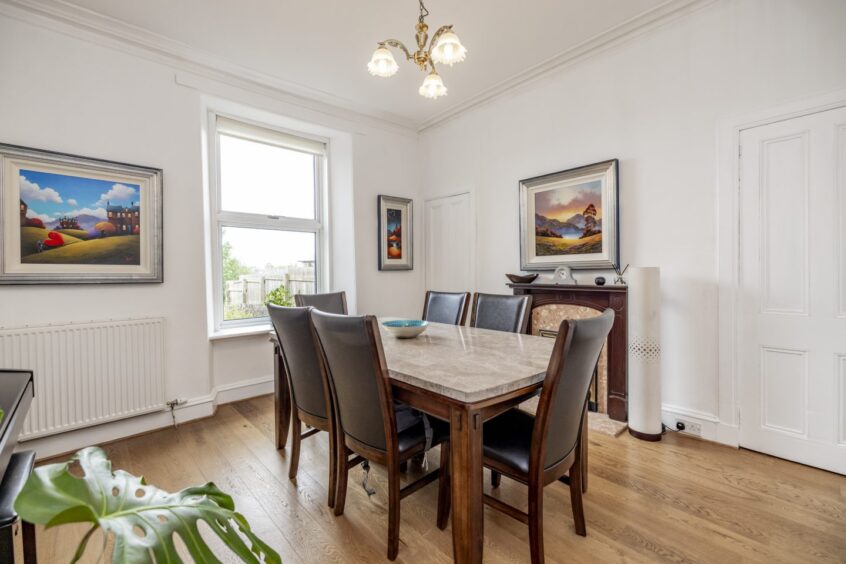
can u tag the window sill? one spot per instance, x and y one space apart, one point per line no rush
239 332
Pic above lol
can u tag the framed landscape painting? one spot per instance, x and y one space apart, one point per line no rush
395 231
68 219
570 218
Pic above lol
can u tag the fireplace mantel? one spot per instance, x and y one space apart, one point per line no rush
596 297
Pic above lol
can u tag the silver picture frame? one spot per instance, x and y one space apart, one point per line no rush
549 242
17 268
396 248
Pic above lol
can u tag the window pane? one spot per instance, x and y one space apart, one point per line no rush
263 263
265 179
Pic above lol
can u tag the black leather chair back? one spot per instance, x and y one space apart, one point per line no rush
446 307
357 375
336 302
566 385
501 313
293 330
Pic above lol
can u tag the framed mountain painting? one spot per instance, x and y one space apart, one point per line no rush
571 218
395 231
67 219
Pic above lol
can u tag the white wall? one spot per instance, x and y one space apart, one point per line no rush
654 102
78 96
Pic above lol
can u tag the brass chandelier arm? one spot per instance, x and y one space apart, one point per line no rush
443 29
398 44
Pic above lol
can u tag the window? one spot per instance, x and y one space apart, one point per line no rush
267 213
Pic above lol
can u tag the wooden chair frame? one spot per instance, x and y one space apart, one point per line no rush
524 325
317 424
569 470
347 445
299 300
464 308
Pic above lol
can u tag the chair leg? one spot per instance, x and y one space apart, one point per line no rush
536 522
29 552
393 510
343 475
584 454
296 439
576 497
444 494
333 467
496 478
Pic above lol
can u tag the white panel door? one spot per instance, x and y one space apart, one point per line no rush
792 304
450 244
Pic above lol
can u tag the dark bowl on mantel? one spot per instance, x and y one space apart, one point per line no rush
522 278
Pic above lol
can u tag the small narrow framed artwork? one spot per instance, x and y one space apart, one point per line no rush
395 233
571 218
66 219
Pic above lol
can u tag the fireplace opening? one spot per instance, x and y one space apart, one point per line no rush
546 319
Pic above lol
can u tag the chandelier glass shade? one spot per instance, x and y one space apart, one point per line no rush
445 48
432 87
383 63
449 50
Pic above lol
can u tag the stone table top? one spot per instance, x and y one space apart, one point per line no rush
465 363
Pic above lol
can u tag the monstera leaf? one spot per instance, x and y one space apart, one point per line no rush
142 518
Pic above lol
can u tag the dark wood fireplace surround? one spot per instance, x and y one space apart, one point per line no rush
596 297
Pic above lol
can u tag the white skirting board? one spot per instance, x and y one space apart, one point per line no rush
196 408
710 427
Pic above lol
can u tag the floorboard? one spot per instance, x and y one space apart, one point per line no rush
679 500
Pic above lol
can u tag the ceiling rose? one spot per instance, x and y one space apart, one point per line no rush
445 48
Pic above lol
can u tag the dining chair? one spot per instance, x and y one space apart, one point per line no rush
369 424
334 302
540 450
501 313
309 396
446 307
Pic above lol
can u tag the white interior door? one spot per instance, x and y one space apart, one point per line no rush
792 324
450 244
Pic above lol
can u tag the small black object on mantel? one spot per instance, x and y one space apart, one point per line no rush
599 281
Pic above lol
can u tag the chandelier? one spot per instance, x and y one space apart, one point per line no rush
445 48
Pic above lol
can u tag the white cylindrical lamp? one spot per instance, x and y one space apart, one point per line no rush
644 313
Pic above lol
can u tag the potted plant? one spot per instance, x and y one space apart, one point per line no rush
143 519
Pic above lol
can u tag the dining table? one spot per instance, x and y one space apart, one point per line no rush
464 376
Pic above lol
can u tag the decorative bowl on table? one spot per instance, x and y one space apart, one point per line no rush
405 328
522 278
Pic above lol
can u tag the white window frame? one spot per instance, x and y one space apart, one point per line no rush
220 219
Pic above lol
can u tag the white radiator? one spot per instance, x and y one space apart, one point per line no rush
88 373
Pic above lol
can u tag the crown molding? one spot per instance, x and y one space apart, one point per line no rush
629 29
75 21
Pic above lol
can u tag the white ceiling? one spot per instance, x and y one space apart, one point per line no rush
322 46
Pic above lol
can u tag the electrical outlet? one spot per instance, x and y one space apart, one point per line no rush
688 427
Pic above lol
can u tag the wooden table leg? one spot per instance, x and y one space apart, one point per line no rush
281 400
467 509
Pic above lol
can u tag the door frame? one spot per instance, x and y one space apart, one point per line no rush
728 250
472 219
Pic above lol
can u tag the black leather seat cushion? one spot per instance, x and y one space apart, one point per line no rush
416 434
508 439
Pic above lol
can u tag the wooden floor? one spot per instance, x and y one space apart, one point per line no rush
680 500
